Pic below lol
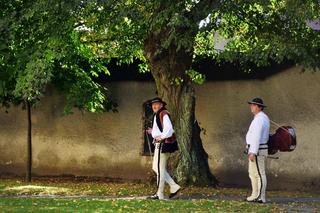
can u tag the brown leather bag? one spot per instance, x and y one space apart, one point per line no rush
283 140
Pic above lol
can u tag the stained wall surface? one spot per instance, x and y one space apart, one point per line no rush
110 144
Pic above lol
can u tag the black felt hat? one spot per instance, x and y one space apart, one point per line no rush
155 100
257 101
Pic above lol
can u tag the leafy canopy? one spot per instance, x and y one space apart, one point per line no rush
251 32
261 32
41 46
68 43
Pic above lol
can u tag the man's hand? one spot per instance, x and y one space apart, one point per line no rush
251 157
158 138
149 130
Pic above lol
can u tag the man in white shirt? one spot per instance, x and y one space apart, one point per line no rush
257 138
161 130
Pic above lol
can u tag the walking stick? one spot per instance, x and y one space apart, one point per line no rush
149 145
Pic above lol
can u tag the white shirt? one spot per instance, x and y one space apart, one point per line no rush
167 128
258 132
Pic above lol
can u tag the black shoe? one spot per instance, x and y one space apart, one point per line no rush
153 197
260 201
250 201
174 193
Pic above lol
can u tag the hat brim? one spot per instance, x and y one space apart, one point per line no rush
256 103
157 101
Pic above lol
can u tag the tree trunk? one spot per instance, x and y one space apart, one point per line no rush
29 145
166 66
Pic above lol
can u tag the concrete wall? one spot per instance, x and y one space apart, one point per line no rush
82 144
292 97
110 144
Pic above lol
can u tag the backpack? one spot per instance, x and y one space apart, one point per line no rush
283 140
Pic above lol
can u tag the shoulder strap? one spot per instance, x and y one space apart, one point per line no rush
278 125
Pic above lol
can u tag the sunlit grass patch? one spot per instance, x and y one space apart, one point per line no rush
34 189
70 187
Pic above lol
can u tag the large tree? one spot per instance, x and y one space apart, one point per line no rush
168 35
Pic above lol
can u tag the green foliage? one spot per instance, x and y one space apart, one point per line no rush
113 33
32 81
257 32
68 43
42 46
263 32
177 81
75 76
196 76
120 28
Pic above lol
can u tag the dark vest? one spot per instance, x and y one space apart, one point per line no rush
159 120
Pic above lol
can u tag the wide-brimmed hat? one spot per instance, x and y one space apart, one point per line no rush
257 101
155 100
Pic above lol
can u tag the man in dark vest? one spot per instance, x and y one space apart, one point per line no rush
257 147
162 131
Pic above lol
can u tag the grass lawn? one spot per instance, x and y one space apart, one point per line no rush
102 205
191 199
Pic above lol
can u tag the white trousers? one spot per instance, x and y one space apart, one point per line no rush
159 166
257 175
